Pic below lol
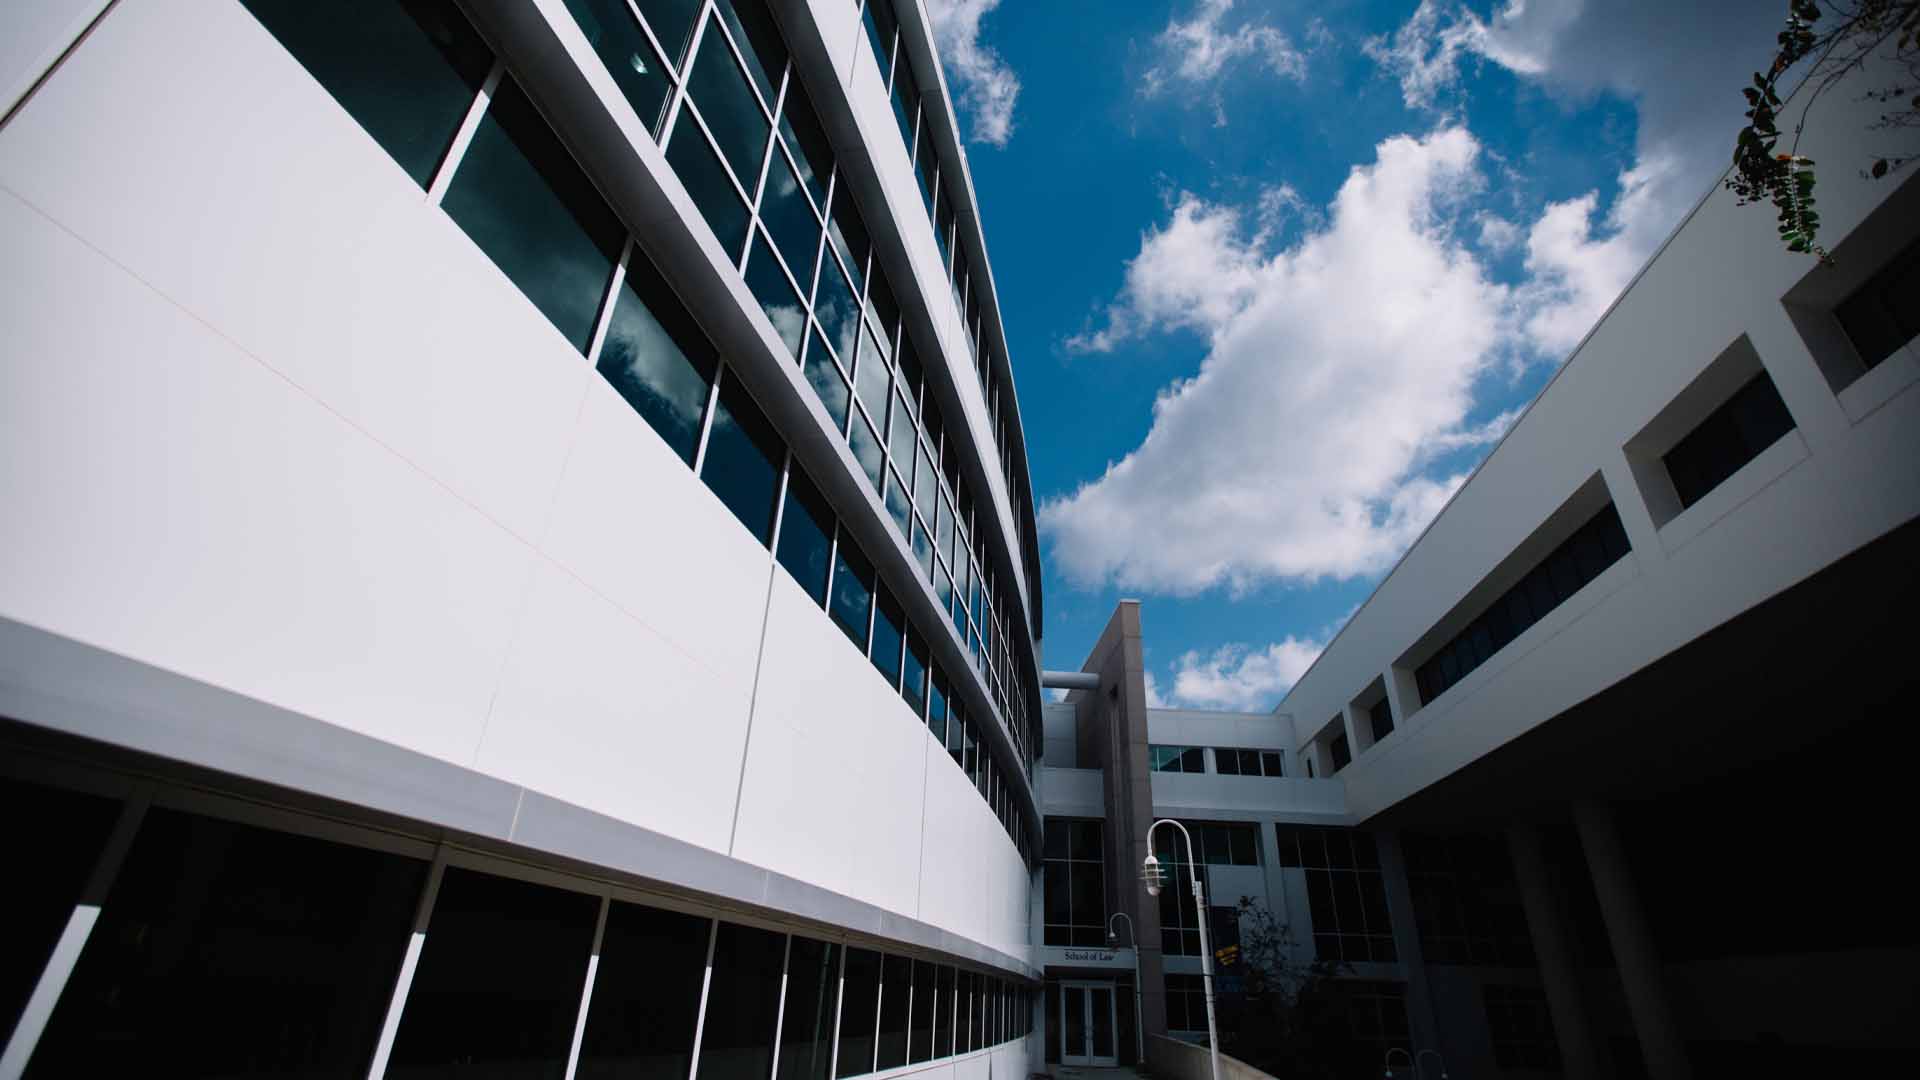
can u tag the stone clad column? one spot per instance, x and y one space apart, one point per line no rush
1551 946
1633 949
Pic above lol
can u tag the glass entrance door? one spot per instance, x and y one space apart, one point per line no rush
1087 1023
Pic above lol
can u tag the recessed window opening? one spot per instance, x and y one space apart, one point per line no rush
1732 435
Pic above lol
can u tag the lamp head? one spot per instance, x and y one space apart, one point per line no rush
1151 873
1113 940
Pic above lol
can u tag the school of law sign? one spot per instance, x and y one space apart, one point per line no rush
1067 957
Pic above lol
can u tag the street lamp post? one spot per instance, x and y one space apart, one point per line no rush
1113 938
1154 876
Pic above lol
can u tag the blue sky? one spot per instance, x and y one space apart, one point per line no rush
1276 275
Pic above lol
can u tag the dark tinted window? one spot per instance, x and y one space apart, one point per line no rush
774 290
1270 762
60 850
859 1005
848 234
806 1030
672 23
524 201
806 534
867 449
943 1014
888 635
499 980
1341 754
838 308
1226 762
920 1043
879 20
407 70
852 593
743 1003
658 359
646 995
227 950
699 170
1732 435
896 990
1381 713
622 46
743 460
759 41
1885 313
726 103
812 153
788 215
913 683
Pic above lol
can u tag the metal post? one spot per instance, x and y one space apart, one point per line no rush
1152 873
1139 1024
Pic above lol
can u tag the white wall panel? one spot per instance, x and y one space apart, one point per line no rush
189 146
33 33
171 499
834 763
599 710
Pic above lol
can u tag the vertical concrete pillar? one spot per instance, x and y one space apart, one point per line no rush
1421 1019
1579 1052
1632 942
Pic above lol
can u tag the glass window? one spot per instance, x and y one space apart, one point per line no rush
870 379
898 505
657 358
877 15
646 994
759 41
806 1029
499 980
888 628
859 1012
943 1013
910 373
937 709
526 204
1884 314
943 528
827 382
900 433
622 46
913 686
943 233
743 1003
806 535
867 449
727 105
922 547
924 490
1226 762
789 217
61 849
699 169
896 990
838 310
906 103
956 732
1380 715
672 24
812 153
406 70
852 592
929 166
743 459
224 949
1732 435
848 234
1270 762
921 1042
883 313
774 290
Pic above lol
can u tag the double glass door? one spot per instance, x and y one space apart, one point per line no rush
1087 1023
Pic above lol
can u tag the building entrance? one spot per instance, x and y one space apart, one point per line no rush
1087 1023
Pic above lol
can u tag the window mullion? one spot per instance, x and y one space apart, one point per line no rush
463 137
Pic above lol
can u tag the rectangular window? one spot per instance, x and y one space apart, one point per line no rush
937 710
656 356
708 182
406 70
789 217
1594 547
806 535
888 636
222 949
943 1014
1732 435
1380 715
524 202
852 593
499 980
1466 900
646 994
1884 314
859 1012
743 459
727 103
877 17
921 1041
770 286
623 48
743 1003
1346 895
806 1028
1342 754
896 990
1270 763
913 682
1074 883
1189 759
829 385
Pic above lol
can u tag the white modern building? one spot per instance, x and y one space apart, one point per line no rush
1611 775
518 556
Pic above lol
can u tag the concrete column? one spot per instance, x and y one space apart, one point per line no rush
1632 942
1424 1024
1552 947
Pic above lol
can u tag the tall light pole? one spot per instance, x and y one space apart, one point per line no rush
1154 876
1113 938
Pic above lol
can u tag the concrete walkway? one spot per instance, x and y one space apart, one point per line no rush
1085 1072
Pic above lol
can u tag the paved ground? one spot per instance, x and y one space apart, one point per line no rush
1076 1072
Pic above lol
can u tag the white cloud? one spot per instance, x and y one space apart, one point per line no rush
988 88
1239 678
1154 700
1681 65
1195 51
1337 367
